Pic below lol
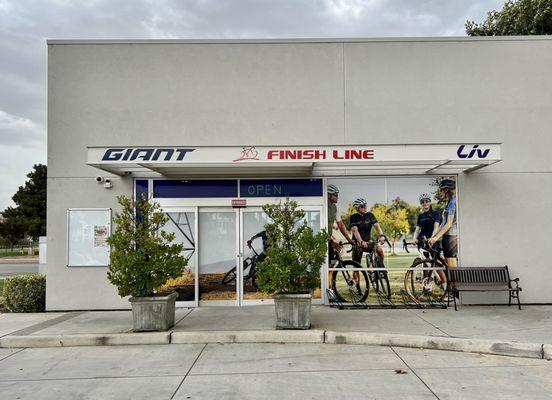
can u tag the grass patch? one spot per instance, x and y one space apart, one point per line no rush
17 252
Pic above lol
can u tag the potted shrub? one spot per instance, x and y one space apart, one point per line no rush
143 258
291 269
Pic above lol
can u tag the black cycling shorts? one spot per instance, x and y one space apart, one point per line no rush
450 246
357 254
332 254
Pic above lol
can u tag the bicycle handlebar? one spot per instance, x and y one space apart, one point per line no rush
252 249
342 244
424 244
355 243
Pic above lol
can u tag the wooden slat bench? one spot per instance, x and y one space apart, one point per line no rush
483 279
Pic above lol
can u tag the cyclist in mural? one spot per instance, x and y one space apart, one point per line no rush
264 238
361 225
427 225
428 221
448 229
334 216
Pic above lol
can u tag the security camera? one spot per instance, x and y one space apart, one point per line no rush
107 183
99 179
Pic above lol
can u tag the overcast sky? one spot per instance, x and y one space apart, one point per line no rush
25 25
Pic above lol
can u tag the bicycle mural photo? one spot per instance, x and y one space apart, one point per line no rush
391 240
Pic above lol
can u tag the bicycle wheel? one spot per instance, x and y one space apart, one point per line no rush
423 283
348 286
382 279
229 277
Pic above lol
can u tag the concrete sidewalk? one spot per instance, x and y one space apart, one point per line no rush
481 329
267 371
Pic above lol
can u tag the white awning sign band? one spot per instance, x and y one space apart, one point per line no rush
294 160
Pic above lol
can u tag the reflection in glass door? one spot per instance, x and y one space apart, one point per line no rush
218 254
254 241
253 245
313 221
182 224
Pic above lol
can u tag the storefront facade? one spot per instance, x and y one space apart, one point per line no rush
212 130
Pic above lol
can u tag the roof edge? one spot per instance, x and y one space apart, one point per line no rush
299 40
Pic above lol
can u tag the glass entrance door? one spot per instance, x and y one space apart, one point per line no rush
222 245
218 259
253 243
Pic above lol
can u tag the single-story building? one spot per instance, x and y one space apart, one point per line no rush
214 129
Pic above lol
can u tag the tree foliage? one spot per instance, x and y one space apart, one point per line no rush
28 217
11 226
295 253
411 212
393 220
346 216
517 17
143 256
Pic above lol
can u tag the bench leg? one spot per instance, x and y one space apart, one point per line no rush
454 299
514 295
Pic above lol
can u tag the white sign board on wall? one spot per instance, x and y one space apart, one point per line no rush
87 234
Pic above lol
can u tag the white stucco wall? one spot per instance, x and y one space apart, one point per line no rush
309 92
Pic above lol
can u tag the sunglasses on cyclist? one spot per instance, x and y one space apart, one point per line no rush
425 201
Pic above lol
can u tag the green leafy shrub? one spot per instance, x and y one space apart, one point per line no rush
25 293
295 254
142 254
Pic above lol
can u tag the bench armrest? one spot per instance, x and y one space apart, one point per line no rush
516 283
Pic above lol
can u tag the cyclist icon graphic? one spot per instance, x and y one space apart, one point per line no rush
248 153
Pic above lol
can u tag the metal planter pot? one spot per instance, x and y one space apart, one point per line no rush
153 313
293 311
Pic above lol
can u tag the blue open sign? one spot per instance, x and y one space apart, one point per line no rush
280 187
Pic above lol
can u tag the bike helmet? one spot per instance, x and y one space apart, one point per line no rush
424 196
447 184
360 202
332 189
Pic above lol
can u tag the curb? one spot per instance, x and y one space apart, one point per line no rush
307 336
512 349
547 351
501 348
112 339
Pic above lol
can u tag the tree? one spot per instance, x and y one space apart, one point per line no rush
28 217
11 227
411 212
295 253
517 17
392 220
143 256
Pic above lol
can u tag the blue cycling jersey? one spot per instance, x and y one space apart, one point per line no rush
450 209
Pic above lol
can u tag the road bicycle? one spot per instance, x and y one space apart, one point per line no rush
249 265
422 280
352 285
